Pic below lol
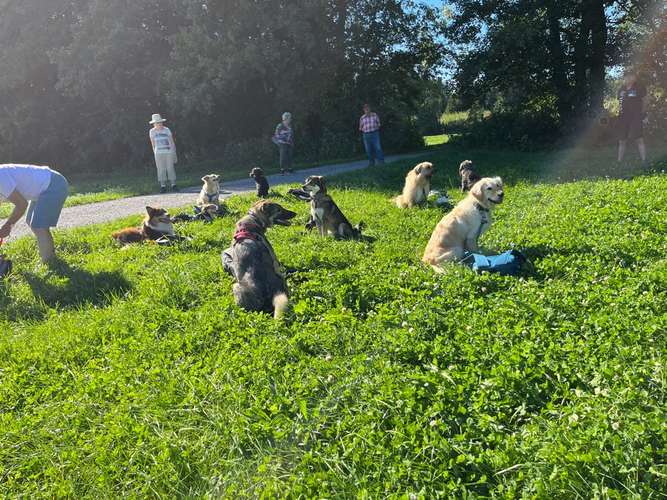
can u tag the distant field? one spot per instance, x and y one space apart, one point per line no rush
132 373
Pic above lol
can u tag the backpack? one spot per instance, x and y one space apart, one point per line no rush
507 264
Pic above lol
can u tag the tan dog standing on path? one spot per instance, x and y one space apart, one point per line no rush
459 230
417 186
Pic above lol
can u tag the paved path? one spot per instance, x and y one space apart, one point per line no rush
96 213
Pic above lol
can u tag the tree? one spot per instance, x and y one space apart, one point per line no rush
527 53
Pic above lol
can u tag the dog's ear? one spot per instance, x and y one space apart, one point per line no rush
418 169
206 178
478 191
150 211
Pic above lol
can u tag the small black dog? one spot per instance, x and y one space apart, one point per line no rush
468 175
261 182
5 266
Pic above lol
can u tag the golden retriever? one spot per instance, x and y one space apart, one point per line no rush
459 230
417 186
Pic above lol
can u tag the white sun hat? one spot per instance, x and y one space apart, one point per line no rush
157 119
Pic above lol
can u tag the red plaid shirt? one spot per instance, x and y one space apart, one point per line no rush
369 123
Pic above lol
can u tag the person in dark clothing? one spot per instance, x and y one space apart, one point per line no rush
631 97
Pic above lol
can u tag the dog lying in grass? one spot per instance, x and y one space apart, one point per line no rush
261 182
460 229
260 283
468 176
417 186
210 191
324 213
156 225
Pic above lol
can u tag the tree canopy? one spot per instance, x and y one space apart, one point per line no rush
80 78
554 55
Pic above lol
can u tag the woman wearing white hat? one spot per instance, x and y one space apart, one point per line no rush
164 149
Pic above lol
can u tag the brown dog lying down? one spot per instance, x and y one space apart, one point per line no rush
468 176
260 284
417 186
459 230
157 224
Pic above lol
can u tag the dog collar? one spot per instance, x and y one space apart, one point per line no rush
481 208
246 232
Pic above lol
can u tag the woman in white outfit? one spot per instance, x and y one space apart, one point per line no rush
164 149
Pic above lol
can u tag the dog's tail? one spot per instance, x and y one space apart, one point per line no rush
280 305
400 202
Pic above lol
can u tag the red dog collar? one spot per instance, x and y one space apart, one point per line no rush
244 232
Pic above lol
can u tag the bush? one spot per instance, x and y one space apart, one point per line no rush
526 130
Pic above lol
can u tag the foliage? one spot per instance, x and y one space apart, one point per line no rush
79 79
513 56
132 373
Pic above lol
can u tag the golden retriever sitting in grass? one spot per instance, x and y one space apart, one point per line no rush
459 230
417 186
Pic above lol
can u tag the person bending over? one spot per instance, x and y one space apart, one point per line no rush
41 192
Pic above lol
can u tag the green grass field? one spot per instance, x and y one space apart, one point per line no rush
132 373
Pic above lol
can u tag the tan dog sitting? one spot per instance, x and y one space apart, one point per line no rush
210 191
417 186
459 230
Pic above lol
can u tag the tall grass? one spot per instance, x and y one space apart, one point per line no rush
132 372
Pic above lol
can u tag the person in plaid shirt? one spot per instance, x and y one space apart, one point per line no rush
369 126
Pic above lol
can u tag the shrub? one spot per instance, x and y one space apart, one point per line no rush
526 130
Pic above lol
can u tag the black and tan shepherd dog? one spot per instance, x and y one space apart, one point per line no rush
468 176
156 225
260 181
260 282
324 213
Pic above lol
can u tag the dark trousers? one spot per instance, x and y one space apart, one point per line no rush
286 156
373 147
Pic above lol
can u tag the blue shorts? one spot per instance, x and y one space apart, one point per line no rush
44 212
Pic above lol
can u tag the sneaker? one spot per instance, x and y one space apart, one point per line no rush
174 188
163 189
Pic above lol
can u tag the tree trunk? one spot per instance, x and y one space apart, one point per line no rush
558 76
581 88
598 55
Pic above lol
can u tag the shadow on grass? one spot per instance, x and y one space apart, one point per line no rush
69 287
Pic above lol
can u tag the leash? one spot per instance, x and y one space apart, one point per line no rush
484 212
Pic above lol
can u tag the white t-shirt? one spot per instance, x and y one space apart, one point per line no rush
29 180
163 140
